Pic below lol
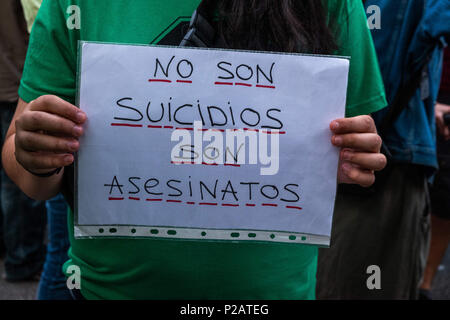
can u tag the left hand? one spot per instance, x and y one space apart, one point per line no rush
360 147
440 111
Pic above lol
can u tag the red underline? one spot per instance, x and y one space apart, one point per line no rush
294 207
205 164
261 86
126 125
184 81
182 162
159 80
270 132
209 164
191 129
207 203
242 84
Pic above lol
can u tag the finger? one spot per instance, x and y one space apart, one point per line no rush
38 120
358 176
35 161
444 108
58 106
447 133
367 161
368 142
361 124
33 141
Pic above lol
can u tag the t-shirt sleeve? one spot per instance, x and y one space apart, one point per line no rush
51 63
365 92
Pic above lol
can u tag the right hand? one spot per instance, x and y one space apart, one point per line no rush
47 133
440 110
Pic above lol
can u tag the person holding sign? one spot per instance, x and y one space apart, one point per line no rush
47 126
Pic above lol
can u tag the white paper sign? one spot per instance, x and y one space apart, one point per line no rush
207 144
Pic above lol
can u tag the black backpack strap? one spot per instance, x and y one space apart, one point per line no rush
68 184
404 95
201 31
409 87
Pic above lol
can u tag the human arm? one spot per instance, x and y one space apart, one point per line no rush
41 138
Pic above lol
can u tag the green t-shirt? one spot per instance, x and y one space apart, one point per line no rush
171 269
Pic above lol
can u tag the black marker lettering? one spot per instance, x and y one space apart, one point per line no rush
174 188
259 70
291 191
130 108
114 184
147 186
231 75
189 64
275 119
158 64
130 179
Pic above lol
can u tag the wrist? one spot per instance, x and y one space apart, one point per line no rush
45 174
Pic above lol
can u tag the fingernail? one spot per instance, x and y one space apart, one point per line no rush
337 140
81 116
78 130
72 145
346 167
68 159
334 125
346 155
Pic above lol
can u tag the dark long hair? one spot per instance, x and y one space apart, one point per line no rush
276 25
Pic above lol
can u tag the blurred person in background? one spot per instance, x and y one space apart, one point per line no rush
440 189
22 220
52 285
386 227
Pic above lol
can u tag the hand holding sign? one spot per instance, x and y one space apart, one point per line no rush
160 150
47 133
360 155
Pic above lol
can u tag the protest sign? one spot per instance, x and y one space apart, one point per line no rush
207 144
